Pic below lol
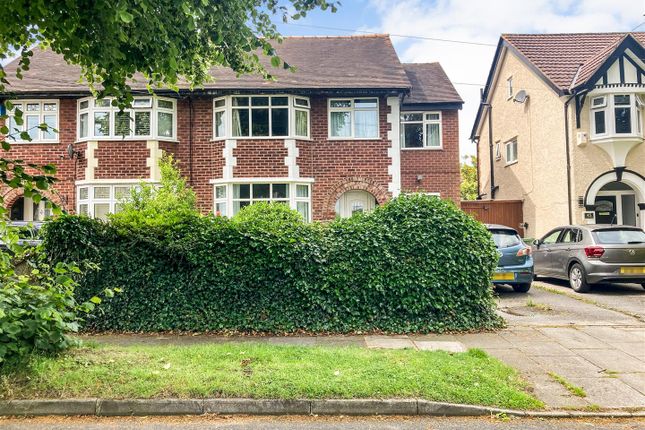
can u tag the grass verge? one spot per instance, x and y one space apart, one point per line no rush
573 389
257 370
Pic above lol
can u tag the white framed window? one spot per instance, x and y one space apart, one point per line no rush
35 113
421 130
511 151
261 117
100 199
353 118
148 118
498 151
509 87
616 115
230 197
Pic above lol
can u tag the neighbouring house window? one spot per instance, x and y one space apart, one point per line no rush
147 118
261 116
34 114
616 114
421 130
99 200
353 118
511 151
231 197
509 87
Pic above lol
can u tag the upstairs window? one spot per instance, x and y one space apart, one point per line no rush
616 114
353 118
147 118
260 116
421 130
35 113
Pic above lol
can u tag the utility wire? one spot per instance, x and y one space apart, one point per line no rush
435 39
635 28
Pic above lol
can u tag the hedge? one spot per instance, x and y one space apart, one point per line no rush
416 264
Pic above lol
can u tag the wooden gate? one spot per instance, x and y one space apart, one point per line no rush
504 212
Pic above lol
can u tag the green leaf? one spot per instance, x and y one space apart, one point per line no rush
125 16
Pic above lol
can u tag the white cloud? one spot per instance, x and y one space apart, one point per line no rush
484 21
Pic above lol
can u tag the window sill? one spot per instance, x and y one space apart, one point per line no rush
127 139
336 139
425 148
221 139
511 163
615 137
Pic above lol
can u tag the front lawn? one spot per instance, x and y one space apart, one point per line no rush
268 371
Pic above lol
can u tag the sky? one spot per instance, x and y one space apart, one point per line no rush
479 21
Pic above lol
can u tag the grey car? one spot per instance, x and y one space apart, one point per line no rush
591 254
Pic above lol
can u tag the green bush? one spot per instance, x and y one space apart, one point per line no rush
38 308
415 264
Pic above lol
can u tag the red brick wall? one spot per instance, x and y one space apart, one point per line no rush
439 168
336 165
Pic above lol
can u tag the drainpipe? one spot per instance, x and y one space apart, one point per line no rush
566 144
190 140
493 188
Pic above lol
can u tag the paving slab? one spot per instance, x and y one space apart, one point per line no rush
636 350
385 342
572 338
634 380
483 340
610 392
517 359
569 367
544 349
428 345
612 334
553 394
524 334
612 359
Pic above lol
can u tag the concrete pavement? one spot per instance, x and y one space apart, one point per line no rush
319 423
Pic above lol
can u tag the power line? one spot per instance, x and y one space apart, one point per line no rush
434 39
635 28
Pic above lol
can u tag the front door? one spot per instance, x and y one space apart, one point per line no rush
352 202
606 210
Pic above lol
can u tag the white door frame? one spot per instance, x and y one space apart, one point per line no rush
619 203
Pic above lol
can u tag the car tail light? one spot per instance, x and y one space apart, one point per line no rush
594 251
524 252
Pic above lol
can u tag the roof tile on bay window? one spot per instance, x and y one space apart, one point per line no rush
321 62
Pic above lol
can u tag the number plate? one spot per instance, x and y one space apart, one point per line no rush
503 276
632 270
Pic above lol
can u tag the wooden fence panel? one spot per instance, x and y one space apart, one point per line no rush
504 212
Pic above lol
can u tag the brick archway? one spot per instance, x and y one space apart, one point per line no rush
11 195
350 184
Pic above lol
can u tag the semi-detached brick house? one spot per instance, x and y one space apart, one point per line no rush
351 128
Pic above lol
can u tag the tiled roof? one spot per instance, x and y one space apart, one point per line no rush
560 57
430 84
342 62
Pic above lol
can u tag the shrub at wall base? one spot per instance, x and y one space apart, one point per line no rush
415 264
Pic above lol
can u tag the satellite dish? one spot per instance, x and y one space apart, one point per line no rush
520 97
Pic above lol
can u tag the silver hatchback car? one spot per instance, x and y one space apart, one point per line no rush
591 254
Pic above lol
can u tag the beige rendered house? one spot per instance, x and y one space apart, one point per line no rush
560 127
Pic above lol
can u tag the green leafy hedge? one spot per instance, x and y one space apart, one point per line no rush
415 264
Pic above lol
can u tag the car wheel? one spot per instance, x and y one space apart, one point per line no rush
578 279
522 288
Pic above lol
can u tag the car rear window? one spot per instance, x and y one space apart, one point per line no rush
621 236
505 238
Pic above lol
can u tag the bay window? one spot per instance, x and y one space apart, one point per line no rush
147 118
35 113
421 130
261 116
616 114
230 198
353 118
99 200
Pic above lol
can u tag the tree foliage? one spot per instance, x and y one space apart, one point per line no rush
468 169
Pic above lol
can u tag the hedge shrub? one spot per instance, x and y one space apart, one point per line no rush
416 264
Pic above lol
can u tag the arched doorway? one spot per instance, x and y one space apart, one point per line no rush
24 209
616 204
354 201
617 197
